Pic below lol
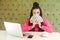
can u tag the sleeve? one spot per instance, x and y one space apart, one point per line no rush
25 26
47 26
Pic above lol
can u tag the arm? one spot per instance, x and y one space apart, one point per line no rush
47 27
25 26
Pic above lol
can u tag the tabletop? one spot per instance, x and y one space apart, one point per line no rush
36 36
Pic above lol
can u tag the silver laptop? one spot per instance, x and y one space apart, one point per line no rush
13 29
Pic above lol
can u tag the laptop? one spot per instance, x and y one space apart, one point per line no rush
13 29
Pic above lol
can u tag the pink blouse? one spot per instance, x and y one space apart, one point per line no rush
46 27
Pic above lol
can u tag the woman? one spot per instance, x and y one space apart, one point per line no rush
44 26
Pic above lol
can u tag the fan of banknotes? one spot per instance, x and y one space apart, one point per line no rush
38 18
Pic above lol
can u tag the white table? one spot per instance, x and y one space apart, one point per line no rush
36 36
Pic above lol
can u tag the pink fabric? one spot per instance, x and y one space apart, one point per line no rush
47 27
36 27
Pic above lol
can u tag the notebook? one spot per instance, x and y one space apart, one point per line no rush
13 29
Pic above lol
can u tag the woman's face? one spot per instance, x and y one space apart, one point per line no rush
36 12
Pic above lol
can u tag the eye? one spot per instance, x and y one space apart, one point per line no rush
34 13
37 12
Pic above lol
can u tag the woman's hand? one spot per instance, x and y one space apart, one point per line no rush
36 22
39 24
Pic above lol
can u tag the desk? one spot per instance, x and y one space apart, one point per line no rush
52 36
